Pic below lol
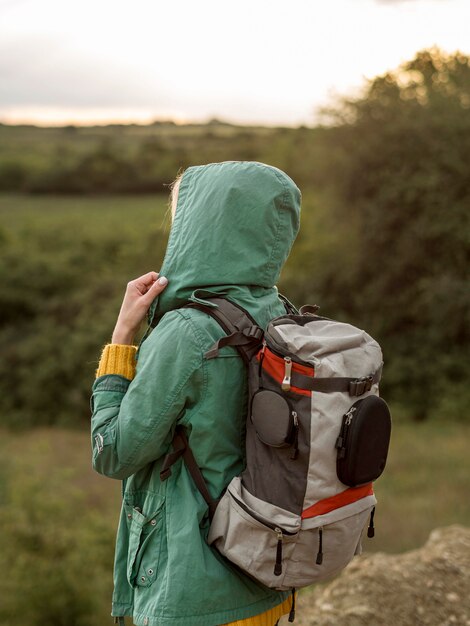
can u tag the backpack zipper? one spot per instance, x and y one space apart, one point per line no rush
349 415
278 351
343 436
278 564
295 443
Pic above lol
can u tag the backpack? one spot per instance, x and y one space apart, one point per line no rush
317 436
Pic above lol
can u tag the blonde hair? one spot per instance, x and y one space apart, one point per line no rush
174 189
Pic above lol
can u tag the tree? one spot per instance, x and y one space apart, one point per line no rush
405 194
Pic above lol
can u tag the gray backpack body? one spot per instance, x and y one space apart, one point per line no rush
317 436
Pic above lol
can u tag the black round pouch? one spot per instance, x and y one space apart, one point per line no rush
272 418
363 441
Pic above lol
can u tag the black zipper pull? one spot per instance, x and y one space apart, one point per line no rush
295 451
278 565
292 608
370 530
340 444
319 560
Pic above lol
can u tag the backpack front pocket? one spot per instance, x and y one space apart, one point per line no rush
255 535
144 543
322 552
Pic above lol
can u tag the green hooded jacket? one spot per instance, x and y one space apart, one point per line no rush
234 225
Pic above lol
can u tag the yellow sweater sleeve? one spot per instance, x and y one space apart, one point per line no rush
117 359
268 618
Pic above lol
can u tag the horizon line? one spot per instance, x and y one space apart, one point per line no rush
215 121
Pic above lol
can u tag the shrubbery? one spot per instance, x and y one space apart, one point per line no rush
61 288
55 553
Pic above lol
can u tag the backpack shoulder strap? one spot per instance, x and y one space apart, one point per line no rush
289 307
245 335
242 331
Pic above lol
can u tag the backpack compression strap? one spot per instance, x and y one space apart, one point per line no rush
354 386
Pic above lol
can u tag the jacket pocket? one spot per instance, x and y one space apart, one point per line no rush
145 537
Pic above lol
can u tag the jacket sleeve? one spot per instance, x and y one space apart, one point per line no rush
133 421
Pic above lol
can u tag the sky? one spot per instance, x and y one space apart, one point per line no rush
274 62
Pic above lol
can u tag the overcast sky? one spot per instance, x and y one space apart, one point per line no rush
255 61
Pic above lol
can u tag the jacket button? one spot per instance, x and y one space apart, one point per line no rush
143 579
153 522
150 572
129 515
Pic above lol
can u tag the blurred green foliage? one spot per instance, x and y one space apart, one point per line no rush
384 241
55 551
408 188
65 265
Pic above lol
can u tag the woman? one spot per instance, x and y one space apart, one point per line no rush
234 224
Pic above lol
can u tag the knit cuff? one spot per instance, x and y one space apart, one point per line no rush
117 359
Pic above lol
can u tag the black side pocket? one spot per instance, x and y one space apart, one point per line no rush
363 441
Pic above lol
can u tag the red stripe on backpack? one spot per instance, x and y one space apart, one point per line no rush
275 366
340 499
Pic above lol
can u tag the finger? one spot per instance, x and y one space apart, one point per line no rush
144 283
157 287
148 278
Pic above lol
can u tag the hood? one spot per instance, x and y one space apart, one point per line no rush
234 226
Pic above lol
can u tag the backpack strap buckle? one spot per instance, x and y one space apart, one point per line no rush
254 331
360 386
249 338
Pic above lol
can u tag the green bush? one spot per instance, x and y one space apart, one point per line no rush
56 554
58 305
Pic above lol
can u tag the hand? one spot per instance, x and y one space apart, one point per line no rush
139 295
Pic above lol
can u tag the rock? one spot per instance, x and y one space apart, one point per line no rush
425 587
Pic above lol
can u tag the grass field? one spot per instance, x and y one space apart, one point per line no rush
50 224
90 216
